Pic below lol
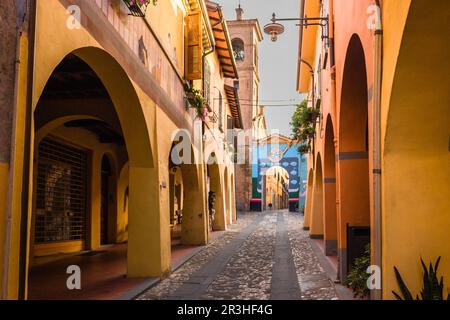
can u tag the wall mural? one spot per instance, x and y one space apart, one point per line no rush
267 155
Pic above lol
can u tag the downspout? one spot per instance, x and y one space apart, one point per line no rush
22 14
27 161
333 103
313 79
376 153
313 93
205 167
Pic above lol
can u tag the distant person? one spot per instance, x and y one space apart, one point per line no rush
270 206
211 207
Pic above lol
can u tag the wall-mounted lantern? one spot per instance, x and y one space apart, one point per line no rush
274 29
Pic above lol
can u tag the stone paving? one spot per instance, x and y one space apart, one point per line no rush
248 274
314 282
256 259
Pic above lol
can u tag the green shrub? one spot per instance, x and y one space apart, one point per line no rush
358 276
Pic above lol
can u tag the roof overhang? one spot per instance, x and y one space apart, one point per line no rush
223 47
233 102
307 45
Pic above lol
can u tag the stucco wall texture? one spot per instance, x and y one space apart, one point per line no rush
7 62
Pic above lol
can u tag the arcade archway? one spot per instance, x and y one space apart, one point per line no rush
316 230
87 122
276 189
353 163
329 192
308 203
217 196
185 172
416 171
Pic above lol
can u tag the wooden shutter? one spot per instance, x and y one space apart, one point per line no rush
193 46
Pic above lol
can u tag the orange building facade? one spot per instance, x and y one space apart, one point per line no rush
378 171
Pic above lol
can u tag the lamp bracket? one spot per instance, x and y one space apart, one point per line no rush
322 22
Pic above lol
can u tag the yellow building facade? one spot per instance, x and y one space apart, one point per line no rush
99 111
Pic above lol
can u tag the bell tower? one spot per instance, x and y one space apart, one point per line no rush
246 36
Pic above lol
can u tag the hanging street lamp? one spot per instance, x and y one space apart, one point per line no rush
274 29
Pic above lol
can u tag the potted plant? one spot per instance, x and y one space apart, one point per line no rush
196 100
313 114
138 8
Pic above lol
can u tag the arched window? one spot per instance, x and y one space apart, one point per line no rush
238 49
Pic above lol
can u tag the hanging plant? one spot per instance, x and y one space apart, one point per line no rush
304 121
307 133
196 101
138 8
313 114
304 148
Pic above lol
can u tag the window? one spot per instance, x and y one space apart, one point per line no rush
238 49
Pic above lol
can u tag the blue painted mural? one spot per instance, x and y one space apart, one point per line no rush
279 151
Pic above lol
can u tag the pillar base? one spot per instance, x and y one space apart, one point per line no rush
342 265
331 248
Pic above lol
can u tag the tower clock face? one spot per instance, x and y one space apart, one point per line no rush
276 154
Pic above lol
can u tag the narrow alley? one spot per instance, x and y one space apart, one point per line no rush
262 256
160 150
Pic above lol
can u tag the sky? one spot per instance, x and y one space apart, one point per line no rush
278 60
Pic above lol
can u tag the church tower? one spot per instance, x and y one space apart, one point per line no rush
245 37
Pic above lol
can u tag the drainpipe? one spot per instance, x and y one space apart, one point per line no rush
22 8
28 149
204 55
376 153
313 88
333 100
313 93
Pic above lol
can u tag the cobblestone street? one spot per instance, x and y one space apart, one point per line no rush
262 256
